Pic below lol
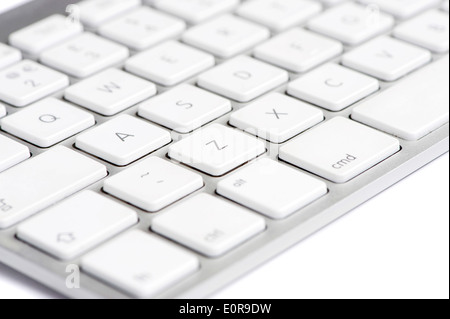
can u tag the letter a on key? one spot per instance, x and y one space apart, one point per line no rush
123 136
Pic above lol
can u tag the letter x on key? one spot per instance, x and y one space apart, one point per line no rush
276 114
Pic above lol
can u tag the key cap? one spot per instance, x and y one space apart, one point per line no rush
243 79
142 28
84 55
226 36
333 87
429 30
110 92
279 15
44 180
123 140
8 56
412 108
147 263
7 5
351 23
94 13
298 50
208 225
276 118
47 122
11 153
170 63
27 82
2 111
153 184
44 34
271 188
184 108
76 225
400 8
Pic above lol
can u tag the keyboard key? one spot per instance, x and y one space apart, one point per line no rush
94 13
76 225
208 225
339 149
84 55
276 117
2 111
243 79
12 153
298 50
184 108
142 28
170 63
351 23
333 87
42 181
123 140
8 56
153 184
400 8
147 263
226 36
27 82
47 122
271 188
412 108
217 149
110 92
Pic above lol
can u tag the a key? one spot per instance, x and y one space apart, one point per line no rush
351 23
94 13
27 82
84 55
276 118
298 50
123 140
110 92
12 153
410 113
142 28
271 188
226 36
170 63
147 264
209 225
8 56
243 79
216 149
34 185
333 87
153 184
429 30
7 5
400 8
2 111
184 108
76 225
47 122
339 149
386 58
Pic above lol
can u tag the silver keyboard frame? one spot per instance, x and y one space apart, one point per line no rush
215 273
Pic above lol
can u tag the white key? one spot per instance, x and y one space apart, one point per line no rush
7 5
351 23
279 15
76 225
153 184
271 188
84 55
386 58
147 264
184 108
27 81
243 79
110 92
94 13
276 117
429 30
142 28
44 180
209 225
423 97
123 140
44 34
339 149
47 122
226 36
8 56
298 50
12 153
332 2
400 8
333 87
2 111
170 63
445 5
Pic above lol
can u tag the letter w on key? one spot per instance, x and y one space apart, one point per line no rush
110 87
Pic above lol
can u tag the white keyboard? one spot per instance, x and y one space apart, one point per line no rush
166 147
